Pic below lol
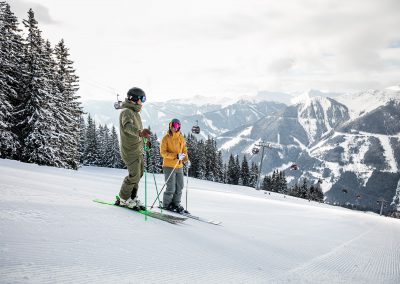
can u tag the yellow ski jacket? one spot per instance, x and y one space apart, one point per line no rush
171 145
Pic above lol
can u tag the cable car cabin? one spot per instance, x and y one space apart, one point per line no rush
196 129
118 105
255 151
294 167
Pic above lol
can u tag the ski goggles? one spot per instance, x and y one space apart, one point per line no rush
176 125
142 98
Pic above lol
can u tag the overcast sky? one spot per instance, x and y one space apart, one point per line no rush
178 49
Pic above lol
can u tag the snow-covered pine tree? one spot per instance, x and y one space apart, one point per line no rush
152 159
82 139
304 190
37 129
202 162
91 156
102 141
10 79
155 155
210 157
253 175
295 190
113 154
245 172
320 194
237 170
106 142
219 168
99 141
58 134
191 144
275 183
71 110
282 183
225 173
311 193
317 194
267 183
231 170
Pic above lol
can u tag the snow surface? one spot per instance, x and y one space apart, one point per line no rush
52 232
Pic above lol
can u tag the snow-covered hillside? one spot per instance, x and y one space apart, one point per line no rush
363 102
52 232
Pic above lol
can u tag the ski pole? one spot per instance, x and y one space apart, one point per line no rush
187 185
154 176
155 183
146 149
170 175
145 188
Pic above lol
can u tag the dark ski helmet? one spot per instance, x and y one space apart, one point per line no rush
135 94
175 121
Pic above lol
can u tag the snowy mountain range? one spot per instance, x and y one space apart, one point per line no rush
349 141
213 119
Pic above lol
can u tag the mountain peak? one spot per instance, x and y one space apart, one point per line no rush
363 102
313 93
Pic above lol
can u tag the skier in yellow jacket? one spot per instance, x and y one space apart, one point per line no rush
174 152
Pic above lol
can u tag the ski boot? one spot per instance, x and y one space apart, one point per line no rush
135 204
179 209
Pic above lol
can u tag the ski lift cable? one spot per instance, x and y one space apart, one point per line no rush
164 110
94 82
104 88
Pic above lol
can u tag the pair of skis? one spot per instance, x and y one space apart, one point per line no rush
189 215
164 217
172 219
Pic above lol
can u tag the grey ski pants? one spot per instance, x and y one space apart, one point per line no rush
173 192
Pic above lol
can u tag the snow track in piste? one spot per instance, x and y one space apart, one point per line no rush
42 248
83 262
351 263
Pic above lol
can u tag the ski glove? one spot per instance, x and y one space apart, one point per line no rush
148 144
180 156
145 133
188 164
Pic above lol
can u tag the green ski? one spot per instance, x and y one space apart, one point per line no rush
157 215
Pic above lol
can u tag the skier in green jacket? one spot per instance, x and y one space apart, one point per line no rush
132 134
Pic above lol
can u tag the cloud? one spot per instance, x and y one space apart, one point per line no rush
227 46
42 14
282 65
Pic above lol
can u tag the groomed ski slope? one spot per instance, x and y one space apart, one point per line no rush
52 232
